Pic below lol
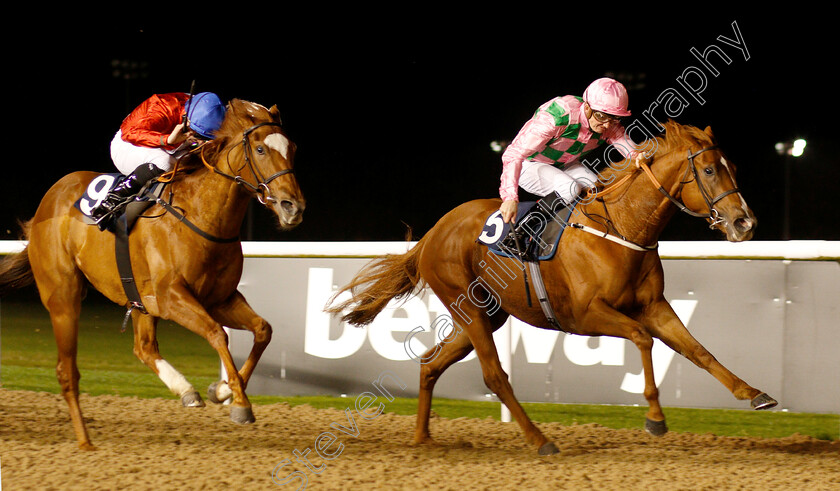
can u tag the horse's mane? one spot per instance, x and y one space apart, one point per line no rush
676 135
674 138
240 116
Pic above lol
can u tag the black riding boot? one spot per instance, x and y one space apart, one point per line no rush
129 186
551 204
524 237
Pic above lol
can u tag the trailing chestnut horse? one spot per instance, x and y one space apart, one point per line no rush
597 287
186 258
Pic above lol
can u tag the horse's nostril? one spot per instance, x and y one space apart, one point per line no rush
288 207
744 224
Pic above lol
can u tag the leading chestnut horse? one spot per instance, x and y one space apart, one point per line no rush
186 256
597 287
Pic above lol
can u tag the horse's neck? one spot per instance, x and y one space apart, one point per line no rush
214 203
642 212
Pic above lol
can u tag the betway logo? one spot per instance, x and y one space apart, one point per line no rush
388 332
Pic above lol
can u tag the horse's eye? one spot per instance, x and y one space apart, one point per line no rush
260 149
709 171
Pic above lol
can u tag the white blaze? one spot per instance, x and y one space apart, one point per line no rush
279 143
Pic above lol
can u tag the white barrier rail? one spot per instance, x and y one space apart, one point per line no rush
793 250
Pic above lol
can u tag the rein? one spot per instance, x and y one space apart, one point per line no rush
180 216
712 215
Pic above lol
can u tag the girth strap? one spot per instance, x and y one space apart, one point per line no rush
124 268
542 296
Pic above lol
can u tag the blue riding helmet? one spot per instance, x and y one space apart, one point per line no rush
205 113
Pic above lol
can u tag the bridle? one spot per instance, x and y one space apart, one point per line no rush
261 190
713 215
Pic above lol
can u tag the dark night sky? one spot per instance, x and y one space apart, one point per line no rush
394 118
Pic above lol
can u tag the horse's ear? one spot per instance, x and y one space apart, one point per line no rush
708 131
234 105
275 113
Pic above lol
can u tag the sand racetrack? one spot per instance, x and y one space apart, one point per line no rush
157 444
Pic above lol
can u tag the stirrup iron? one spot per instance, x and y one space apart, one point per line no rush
132 306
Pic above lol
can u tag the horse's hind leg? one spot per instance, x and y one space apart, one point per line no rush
146 349
665 325
60 286
434 362
61 293
235 313
480 331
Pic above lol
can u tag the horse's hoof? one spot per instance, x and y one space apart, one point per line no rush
548 449
424 441
242 415
656 428
192 399
215 388
763 401
88 447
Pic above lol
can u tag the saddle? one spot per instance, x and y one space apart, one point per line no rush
128 210
535 232
120 223
532 238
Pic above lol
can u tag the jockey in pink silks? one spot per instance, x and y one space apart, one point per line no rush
544 158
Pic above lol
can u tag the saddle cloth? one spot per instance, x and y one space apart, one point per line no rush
98 190
538 227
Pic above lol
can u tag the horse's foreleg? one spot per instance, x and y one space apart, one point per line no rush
603 320
180 306
665 325
433 363
146 349
655 418
235 313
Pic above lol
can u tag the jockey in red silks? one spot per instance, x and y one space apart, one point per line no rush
544 158
154 135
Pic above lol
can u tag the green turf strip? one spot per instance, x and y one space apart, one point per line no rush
108 366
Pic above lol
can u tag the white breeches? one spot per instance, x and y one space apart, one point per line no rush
128 157
541 179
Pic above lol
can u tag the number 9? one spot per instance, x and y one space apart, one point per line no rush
97 191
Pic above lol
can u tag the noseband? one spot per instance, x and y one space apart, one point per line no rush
261 190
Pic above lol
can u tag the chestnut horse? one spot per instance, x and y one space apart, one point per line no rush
597 287
186 256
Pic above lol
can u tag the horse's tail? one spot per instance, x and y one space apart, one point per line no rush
15 271
392 276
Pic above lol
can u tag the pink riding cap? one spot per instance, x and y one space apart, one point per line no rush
607 95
